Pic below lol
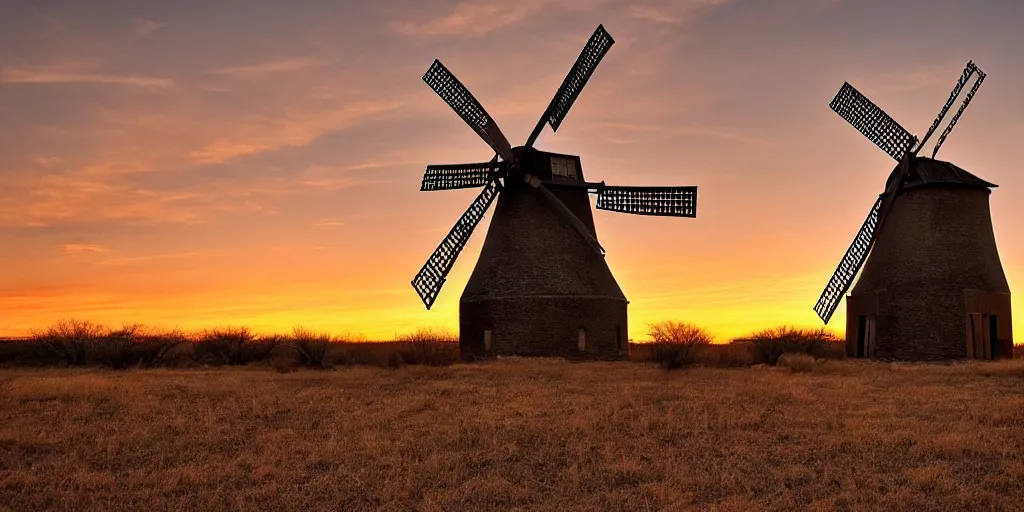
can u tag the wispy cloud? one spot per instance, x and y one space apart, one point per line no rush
722 134
28 76
142 27
676 13
328 223
650 13
334 177
715 132
46 160
153 257
338 184
75 249
264 68
473 19
78 196
289 131
910 80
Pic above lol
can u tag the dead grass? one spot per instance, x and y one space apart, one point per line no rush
515 434
798 362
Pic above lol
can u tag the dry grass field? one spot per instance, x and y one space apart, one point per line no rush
535 434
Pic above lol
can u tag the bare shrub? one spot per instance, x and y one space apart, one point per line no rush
731 355
1018 350
394 360
232 346
797 362
134 345
311 347
66 341
16 351
427 346
677 344
114 348
158 349
834 349
768 345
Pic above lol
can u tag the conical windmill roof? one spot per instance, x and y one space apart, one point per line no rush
928 171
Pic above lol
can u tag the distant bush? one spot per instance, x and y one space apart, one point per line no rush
1018 350
768 345
135 345
80 342
835 349
731 355
232 346
433 347
66 341
311 348
677 344
18 352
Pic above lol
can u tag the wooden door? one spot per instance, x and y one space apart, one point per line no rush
977 348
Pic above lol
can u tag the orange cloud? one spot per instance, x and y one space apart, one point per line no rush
82 248
141 27
474 19
27 76
135 260
675 13
292 129
264 68
328 223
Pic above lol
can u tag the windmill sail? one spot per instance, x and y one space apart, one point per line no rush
968 71
451 90
659 201
595 49
455 176
855 255
952 122
431 277
872 121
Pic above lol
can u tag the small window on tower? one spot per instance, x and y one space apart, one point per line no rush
563 168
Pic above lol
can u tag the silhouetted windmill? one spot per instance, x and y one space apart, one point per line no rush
541 285
933 286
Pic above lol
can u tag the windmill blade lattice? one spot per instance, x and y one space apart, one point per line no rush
456 176
960 83
872 121
451 90
659 201
596 48
952 122
855 255
431 277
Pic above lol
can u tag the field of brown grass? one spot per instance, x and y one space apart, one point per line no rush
515 434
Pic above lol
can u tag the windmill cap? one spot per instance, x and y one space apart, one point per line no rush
931 172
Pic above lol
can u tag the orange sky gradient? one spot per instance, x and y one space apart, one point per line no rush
199 164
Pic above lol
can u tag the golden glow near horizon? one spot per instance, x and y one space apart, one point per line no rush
197 165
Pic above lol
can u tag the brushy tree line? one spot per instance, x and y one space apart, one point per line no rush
676 345
84 343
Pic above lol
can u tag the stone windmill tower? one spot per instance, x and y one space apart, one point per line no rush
541 285
932 286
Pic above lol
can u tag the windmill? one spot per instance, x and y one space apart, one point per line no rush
932 285
541 285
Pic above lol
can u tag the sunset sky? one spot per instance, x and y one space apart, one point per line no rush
207 163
